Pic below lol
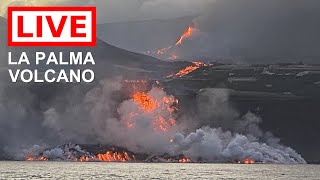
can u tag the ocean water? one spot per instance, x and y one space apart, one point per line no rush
73 170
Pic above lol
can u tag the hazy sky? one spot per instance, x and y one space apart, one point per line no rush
233 27
126 10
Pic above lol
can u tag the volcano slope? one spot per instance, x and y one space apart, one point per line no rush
110 62
22 105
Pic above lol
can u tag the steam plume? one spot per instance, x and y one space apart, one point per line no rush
244 139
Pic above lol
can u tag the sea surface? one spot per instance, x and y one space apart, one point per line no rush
95 170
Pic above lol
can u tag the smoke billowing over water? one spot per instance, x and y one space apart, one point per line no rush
154 127
150 123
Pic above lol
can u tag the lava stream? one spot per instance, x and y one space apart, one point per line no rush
158 109
40 158
163 51
115 157
249 161
187 34
188 70
185 160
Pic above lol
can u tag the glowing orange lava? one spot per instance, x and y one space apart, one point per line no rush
115 157
185 160
159 110
164 51
145 101
187 34
249 161
161 124
40 158
109 157
85 159
188 70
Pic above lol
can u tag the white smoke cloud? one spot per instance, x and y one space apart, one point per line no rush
112 130
213 144
100 118
95 118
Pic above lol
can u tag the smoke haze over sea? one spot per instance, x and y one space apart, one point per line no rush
39 120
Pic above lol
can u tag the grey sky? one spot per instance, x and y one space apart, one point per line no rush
132 10
234 27
126 10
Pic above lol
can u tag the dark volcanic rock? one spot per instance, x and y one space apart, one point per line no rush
167 158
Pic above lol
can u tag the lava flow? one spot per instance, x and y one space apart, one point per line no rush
185 160
146 102
163 51
249 161
158 109
40 158
115 157
188 70
108 157
187 34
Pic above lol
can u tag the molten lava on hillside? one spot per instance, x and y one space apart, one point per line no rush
158 109
115 157
109 156
185 160
168 52
187 70
146 102
33 158
249 161
187 34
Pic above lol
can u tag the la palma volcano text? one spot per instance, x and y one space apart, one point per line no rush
51 67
